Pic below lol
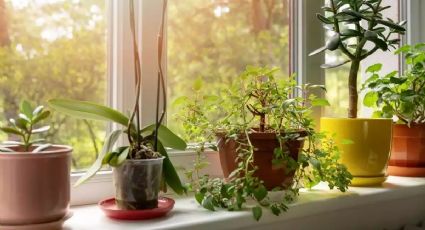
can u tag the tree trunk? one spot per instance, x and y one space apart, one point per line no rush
257 16
352 89
4 32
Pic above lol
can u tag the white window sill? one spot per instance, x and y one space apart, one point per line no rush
400 201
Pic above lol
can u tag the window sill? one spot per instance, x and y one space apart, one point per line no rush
398 202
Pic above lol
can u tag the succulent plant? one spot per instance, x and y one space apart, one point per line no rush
355 23
25 126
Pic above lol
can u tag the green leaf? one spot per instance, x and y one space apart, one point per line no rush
170 174
333 42
180 100
123 156
324 19
260 193
207 203
356 14
11 131
41 148
391 25
257 212
199 197
370 99
37 110
26 109
320 102
377 114
21 123
397 80
320 50
166 136
197 84
43 115
88 110
350 33
334 64
97 165
41 130
107 158
374 68
5 149
380 43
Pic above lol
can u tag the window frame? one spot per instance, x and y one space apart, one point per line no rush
120 71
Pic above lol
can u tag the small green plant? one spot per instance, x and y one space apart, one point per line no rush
25 126
258 102
354 23
401 96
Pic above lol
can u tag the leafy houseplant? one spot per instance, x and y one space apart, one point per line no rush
261 134
354 24
138 166
403 97
42 193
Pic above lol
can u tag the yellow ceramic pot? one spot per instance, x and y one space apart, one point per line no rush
365 146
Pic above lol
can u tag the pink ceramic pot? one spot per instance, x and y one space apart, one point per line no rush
34 187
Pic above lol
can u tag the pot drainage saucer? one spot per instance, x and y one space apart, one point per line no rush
367 181
111 210
56 225
406 171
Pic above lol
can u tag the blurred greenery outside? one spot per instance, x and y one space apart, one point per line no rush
57 49
216 41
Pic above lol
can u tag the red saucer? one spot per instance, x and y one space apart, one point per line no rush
111 210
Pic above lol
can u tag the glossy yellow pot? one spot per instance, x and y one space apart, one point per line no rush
365 146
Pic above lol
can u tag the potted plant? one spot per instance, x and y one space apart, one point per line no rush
403 97
139 166
266 142
34 177
354 24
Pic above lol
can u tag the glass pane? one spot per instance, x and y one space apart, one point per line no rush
217 39
54 49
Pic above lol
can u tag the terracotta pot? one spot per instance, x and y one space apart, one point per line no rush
264 144
137 184
408 151
34 187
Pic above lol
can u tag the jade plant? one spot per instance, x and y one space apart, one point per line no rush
354 24
401 95
258 102
25 126
143 142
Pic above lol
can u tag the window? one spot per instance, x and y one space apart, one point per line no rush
81 49
215 40
55 49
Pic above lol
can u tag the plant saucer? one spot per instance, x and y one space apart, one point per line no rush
55 225
111 210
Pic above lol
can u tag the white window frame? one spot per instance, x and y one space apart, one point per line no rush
121 82
120 71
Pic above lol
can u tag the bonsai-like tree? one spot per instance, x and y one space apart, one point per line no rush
355 23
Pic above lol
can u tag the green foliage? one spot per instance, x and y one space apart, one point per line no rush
402 96
26 125
57 49
345 19
259 101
